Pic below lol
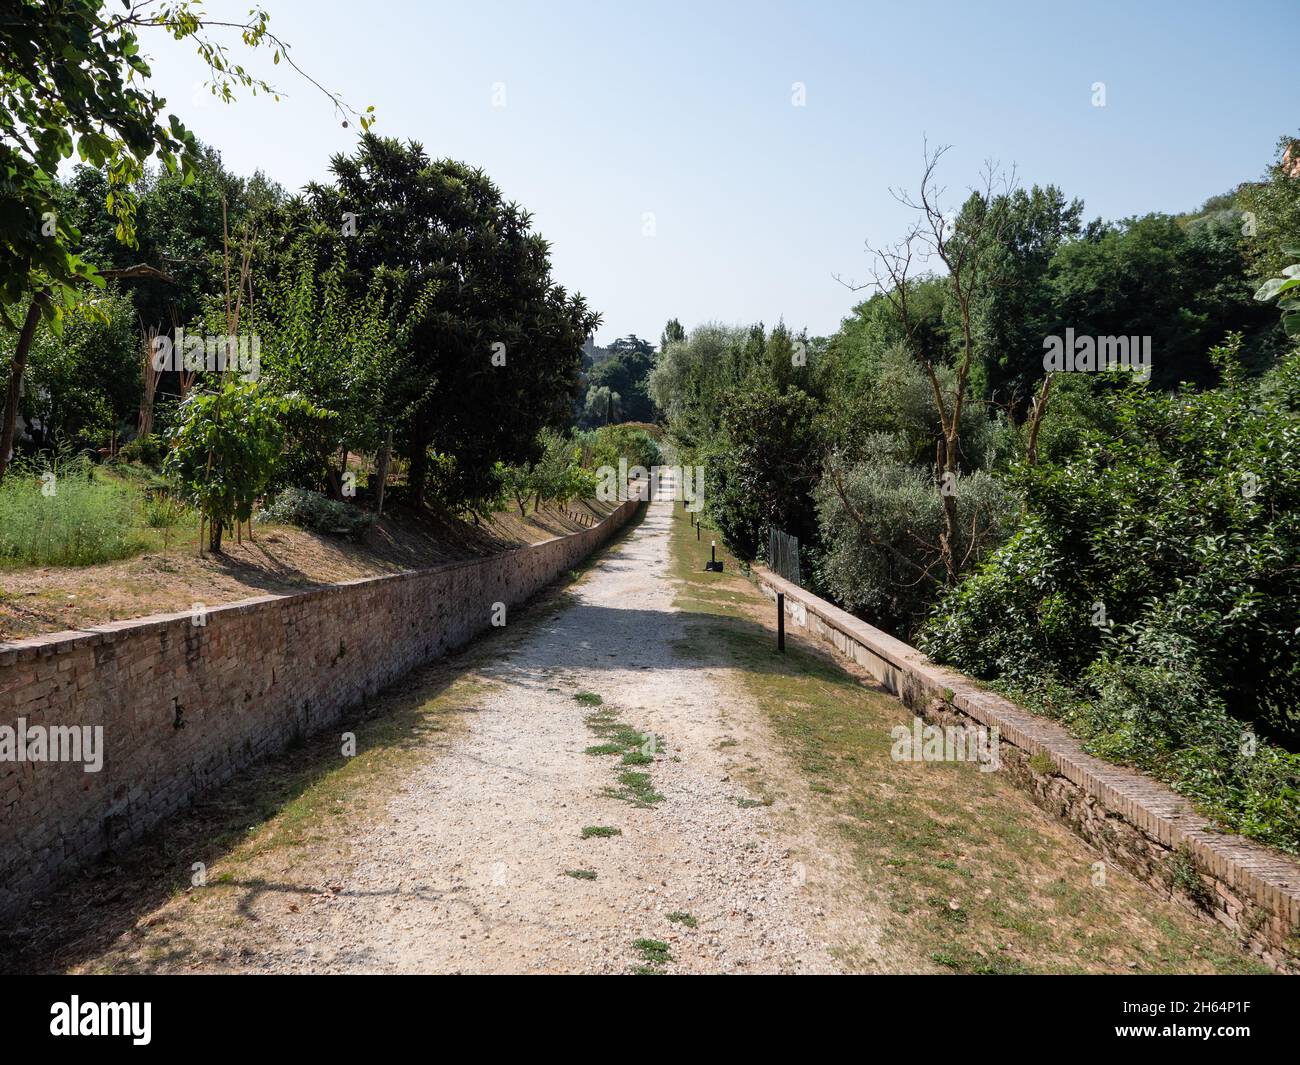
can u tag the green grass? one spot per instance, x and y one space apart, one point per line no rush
66 515
589 698
581 874
600 832
654 952
682 918
635 747
636 788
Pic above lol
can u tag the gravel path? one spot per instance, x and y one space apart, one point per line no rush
468 873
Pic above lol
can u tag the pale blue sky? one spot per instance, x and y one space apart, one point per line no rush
683 110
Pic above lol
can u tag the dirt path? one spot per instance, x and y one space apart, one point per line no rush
626 778
476 860
470 872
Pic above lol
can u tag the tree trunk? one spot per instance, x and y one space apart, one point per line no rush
382 472
1036 421
948 493
418 477
25 337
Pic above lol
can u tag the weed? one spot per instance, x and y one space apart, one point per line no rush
653 951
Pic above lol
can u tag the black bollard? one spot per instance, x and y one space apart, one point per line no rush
780 621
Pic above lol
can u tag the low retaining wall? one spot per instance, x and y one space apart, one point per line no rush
1134 821
185 706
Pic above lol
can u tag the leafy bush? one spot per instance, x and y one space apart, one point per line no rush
86 379
1184 520
147 450
311 510
61 514
606 445
880 521
1150 706
557 474
225 449
1151 595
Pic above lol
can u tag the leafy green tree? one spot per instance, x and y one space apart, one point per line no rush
879 521
1273 206
225 447
72 77
601 406
762 467
1012 315
673 334
1186 287
335 350
693 380
84 381
491 346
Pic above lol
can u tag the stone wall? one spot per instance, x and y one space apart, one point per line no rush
1133 821
184 706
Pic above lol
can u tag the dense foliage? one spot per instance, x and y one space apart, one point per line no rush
1128 553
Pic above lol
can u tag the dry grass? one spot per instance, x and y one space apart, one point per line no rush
282 559
973 876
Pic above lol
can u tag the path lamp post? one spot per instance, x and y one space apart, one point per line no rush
713 565
780 621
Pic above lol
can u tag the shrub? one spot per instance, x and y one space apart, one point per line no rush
606 445
226 447
763 466
1182 522
163 511
880 521
146 450
1150 597
311 510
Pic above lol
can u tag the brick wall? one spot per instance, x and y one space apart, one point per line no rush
1134 821
184 706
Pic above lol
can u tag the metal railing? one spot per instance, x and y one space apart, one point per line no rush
783 555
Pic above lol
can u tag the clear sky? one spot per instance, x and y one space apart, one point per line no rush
615 111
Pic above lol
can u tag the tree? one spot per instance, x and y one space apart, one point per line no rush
335 350
1273 211
673 334
602 406
1014 312
763 466
626 372
967 251
72 77
225 448
491 345
84 381
1183 285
